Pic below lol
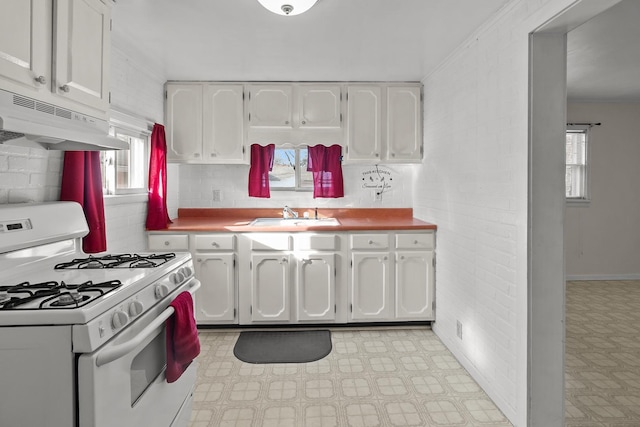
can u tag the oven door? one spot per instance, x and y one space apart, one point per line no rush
123 383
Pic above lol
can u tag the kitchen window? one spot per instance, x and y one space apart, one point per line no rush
126 171
289 170
577 164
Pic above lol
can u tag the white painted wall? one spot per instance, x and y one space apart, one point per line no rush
603 237
474 185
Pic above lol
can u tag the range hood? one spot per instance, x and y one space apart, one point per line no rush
28 122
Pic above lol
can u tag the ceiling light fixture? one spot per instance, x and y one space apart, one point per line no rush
288 7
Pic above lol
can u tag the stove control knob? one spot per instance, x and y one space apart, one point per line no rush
135 308
119 319
188 272
176 278
161 291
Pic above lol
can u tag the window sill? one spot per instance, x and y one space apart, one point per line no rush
123 199
577 203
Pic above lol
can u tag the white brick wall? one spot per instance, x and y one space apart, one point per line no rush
473 185
197 183
29 174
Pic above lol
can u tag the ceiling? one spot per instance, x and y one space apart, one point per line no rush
603 56
336 40
355 40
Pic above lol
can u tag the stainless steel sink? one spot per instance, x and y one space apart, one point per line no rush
297 222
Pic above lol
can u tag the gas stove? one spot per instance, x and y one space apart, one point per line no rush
84 334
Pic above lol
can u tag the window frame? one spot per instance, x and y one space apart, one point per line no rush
132 127
298 169
585 197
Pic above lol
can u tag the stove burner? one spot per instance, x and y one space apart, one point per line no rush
117 261
53 294
69 298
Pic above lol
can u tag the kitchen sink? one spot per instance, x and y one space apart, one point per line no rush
298 222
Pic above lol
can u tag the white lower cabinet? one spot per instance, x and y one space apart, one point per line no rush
392 283
270 287
216 299
288 278
215 264
370 287
292 278
316 287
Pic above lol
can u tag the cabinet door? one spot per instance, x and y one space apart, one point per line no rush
364 136
25 42
270 287
414 285
82 41
319 106
404 124
216 299
184 122
370 286
270 106
316 287
223 124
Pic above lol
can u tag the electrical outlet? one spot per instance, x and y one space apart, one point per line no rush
459 329
217 195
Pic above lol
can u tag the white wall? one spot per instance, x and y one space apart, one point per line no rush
29 174
603 237
197 183
474 186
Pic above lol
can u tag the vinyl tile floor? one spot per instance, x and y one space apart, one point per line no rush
602 354
372 377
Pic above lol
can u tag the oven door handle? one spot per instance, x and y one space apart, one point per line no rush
108 355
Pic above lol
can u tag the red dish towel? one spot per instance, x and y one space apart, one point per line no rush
183 344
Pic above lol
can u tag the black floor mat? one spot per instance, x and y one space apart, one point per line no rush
282 346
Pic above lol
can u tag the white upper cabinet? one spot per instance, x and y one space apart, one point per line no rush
82 51
404 125
223 124
58 55
205 123
296 106
271 106
319 106
364 114
25 42
384 124
184 122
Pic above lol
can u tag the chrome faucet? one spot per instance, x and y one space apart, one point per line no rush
287 212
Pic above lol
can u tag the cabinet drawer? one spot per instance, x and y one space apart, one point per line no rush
269 241
369 241
169 242
215 242
322 242
415 241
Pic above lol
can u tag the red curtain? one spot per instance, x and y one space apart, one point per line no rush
261 164
157 213
82 183
324 162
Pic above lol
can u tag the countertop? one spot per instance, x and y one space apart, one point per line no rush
238 219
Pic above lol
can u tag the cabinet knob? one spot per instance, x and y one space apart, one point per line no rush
215 244
283 260
371 242
166 243
385 257
393 154
304 122
65 88
199 260
41 79
286 122
415 242
196 154
377 155
401 256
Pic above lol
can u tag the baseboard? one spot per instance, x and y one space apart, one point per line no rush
612 277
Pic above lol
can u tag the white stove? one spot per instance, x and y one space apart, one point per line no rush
97 322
